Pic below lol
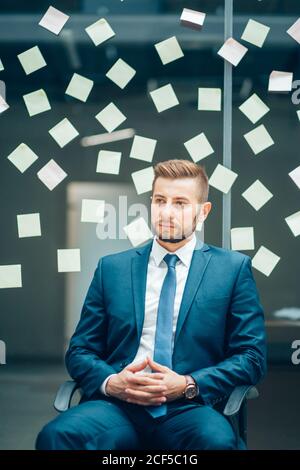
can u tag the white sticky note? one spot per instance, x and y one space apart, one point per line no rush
259 139
257 195
121 73
298 114
54 20
32 60
169 50
265 260
164 98
92 210
293 222
110 117
222 178
63 132
295 175
254 108
280 81
36 102
29 225
79 87
138 231
3 105
199 147
10 276
242 238
68 260
232 51
143 179
192 18
108 162
1 66
143 148
22 157
100 31
294 31
209 99
255 33
51 174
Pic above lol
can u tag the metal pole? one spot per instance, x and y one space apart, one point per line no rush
227 125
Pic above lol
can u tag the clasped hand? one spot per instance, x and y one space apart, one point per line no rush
146 388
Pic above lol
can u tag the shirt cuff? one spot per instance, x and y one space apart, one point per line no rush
103 385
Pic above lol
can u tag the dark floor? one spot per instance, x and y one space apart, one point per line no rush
27 392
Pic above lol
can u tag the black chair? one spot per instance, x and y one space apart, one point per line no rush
235 408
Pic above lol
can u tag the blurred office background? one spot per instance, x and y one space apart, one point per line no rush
36 320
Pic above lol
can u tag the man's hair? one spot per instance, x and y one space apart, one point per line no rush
176 168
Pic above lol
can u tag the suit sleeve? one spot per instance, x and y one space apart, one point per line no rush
84 358
245 346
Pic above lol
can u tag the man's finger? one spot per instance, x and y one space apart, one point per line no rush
156 365
137 379
137 366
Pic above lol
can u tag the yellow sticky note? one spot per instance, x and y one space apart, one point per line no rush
29 225
121 73
143 179
199 147
68 260
110 117
164 98
32 60
79 87
108 162
138 231
265 260
36 102
100 31
10 276
22 157
63 132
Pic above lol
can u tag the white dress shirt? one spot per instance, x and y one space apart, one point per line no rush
157 270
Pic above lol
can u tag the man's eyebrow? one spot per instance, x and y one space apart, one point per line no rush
176 197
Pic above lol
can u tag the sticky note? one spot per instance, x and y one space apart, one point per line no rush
164 98
143 179
1 66
54 20
192 18
232 51
3 105
121 73
209 99
298 114
254 108
280 81
294 31
2 352
108 162
199 147
255 33
79 87
138 231
110 117
257 195
222 178
242 238
295 175
68 260
10 276
29 225
169 50
293 222
32 60
265 260
63 132
36 102
259 139
100 31
51 174
22 157
143 148
92 210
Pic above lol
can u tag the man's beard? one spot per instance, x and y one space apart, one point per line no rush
179 239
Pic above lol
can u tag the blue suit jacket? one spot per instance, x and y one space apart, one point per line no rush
220 335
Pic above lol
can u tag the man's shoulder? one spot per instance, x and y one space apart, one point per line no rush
123 255
226 253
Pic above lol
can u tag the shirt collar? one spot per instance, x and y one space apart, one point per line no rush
184 253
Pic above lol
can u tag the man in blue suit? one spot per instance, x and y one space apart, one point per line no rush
166 332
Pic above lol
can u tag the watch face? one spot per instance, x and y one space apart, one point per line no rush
190 392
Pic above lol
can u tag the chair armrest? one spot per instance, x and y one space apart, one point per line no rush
64 395
236 398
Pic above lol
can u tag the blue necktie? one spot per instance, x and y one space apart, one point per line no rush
164 327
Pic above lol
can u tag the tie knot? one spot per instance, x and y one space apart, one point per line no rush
171 260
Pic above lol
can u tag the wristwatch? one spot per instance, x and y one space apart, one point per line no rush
191 390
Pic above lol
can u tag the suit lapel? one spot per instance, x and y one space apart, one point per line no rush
139 267
199 262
